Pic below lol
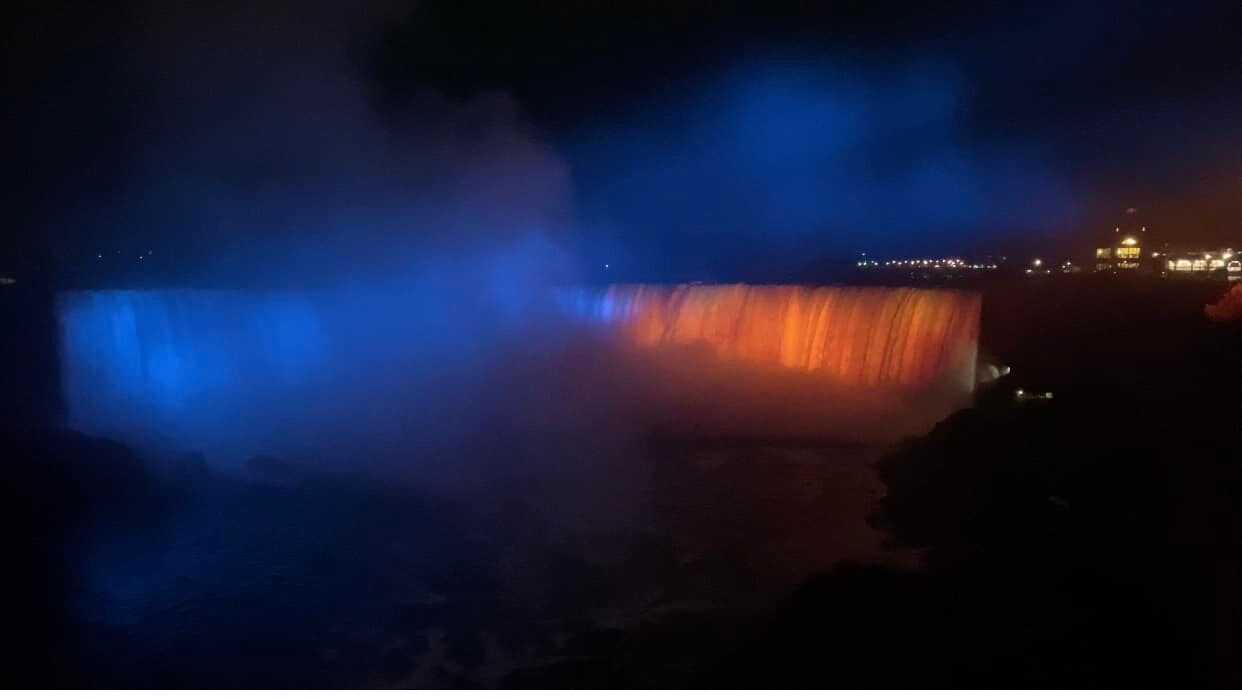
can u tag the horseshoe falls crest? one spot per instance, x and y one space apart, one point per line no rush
234 374
872 337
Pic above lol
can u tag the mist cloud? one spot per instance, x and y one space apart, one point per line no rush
266 158
816 157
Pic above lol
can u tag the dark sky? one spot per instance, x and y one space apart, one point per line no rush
665 138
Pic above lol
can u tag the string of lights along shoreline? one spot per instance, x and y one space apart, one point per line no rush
928 263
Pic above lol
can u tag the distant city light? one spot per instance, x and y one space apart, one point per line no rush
1037 262
928 263
1129 241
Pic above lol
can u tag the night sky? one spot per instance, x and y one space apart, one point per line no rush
667 140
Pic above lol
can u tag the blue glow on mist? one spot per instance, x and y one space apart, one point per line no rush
799 158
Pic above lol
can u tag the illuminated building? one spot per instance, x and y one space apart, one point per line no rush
1221 261
1126 251
1126 254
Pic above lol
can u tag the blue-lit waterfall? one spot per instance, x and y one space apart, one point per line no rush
188 367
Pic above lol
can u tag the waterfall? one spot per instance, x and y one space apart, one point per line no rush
859 336
303 375
329 373
172 364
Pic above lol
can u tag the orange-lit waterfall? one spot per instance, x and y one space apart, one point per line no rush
860 336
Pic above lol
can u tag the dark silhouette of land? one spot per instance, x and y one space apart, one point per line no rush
1091 540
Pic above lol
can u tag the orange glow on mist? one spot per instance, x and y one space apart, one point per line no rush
860 336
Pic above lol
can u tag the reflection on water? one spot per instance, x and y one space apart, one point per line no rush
324 585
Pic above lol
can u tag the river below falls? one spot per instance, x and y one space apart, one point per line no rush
338 584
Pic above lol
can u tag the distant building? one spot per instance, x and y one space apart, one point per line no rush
1221 261
1125 252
